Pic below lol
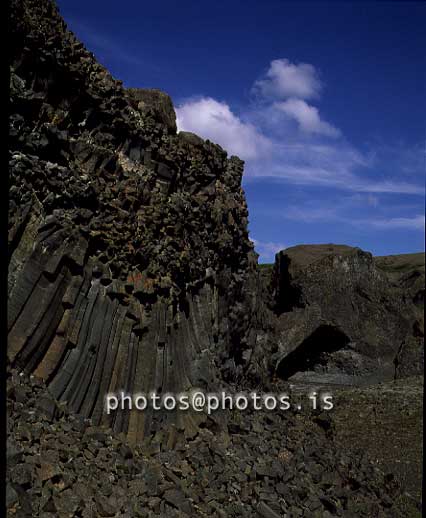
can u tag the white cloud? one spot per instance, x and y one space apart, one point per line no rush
307 117
407 160
284 79
265 137
215 121
268 249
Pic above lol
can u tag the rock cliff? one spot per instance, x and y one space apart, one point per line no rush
129 253
339 319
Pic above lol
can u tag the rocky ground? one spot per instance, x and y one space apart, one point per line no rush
266 464
386 422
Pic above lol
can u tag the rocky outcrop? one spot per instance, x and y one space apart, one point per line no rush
155 101
406 275
128 245
339 319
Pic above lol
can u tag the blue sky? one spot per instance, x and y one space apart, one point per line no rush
325 102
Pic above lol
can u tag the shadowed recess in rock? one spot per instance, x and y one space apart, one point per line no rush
315 353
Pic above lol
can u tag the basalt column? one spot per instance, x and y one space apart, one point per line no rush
129 259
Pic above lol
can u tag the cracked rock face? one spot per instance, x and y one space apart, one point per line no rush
128 244
340 320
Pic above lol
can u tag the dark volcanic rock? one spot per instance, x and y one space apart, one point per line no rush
69 472
146 100
129 252
406 274
386 422
339 319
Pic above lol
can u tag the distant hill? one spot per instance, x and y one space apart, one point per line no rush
397 265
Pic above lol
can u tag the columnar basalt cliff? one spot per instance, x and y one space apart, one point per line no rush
130 269
129 253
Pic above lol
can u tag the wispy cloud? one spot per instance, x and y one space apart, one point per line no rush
415 223
337 177
103 46
330 165
359 210
408 161
311 214
388 186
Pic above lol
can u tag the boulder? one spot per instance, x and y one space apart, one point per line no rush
146 99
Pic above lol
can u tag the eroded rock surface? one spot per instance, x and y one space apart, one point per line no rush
129 253
340 319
